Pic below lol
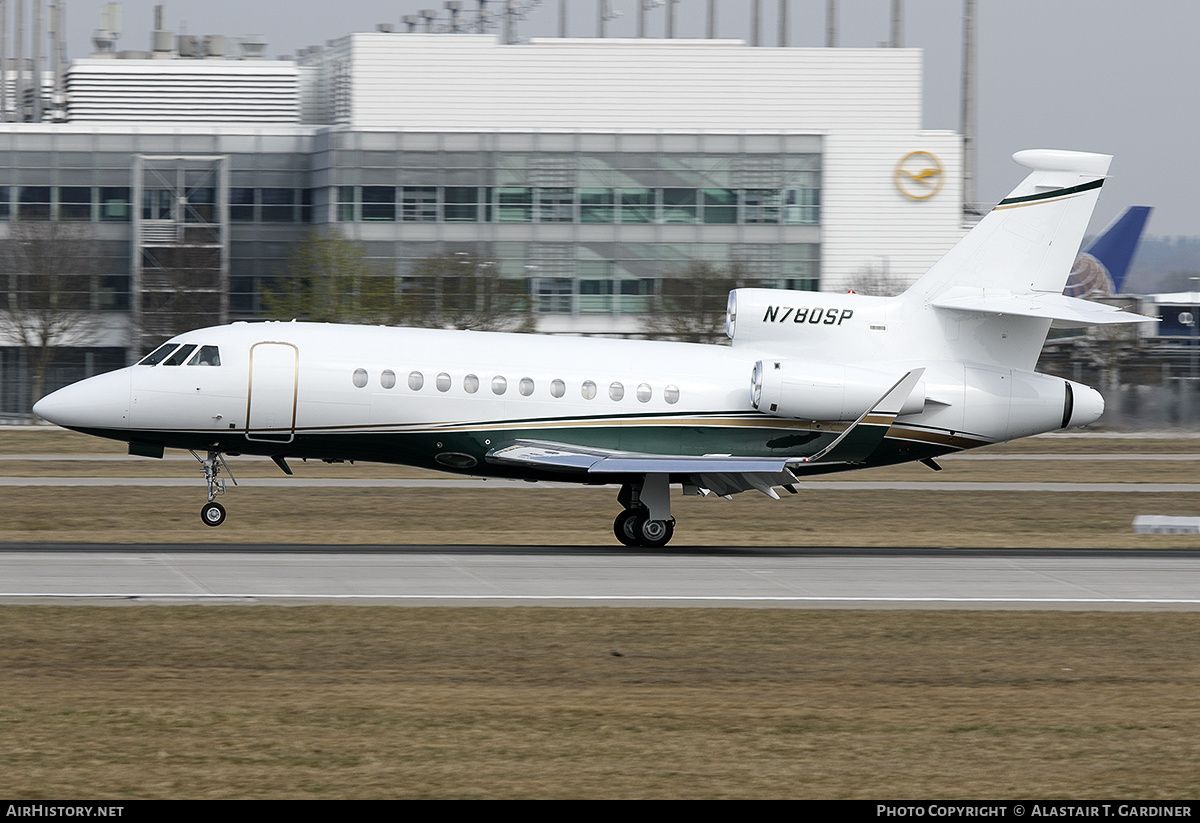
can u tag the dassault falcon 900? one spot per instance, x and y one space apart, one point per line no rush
813 382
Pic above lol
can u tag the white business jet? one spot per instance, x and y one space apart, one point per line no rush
813 382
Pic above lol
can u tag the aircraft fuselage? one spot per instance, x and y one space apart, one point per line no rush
446 399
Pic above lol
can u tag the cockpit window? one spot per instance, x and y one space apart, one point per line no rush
180 356
207 356
158 355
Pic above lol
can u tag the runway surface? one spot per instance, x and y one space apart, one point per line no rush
556 576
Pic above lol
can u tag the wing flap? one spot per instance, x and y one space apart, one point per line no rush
638 464
726 484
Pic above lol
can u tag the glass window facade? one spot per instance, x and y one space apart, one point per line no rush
279 205
592 223
523 204
75 203
33 202
241 205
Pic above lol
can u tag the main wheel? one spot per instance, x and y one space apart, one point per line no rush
213 514
624 527
654 534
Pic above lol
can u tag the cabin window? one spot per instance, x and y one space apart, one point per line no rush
471 384
181 355
158 355
525 386
207 356
360 378
443 382
499 385
644 393
388 379
558 388
416 380
671 394
616 391
588 390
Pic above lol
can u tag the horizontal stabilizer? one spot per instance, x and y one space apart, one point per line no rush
1066 312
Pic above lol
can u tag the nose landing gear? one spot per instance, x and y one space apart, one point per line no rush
213 514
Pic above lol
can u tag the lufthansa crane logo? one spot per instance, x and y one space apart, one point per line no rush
919 175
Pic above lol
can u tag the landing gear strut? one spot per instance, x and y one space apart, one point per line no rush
647 520
213 514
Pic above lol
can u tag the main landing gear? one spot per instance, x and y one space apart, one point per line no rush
647 520
633 527
213 513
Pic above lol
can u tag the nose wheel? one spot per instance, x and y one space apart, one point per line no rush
213 514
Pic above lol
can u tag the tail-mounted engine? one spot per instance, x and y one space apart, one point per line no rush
822 391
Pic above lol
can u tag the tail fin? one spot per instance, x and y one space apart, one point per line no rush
1100 271
1025 245
995 294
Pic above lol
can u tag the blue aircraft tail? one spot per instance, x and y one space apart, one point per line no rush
1100 270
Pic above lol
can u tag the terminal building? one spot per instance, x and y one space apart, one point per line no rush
588 171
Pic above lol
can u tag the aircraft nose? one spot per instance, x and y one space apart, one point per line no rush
100 402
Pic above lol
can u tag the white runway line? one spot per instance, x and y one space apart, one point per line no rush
606 597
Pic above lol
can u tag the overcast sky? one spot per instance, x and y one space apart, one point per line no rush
1094 75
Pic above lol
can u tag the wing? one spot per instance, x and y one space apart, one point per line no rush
720 473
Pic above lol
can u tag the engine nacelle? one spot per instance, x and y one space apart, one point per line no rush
1037 402
823 391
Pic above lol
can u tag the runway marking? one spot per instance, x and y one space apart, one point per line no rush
1146 601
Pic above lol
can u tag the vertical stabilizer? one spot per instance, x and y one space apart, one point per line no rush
1100 270
1028 242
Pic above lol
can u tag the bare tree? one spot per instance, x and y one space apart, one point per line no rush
46 271
459 291
329 279
694 303
877 281
181 290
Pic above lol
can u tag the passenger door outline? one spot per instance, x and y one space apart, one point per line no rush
271 392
